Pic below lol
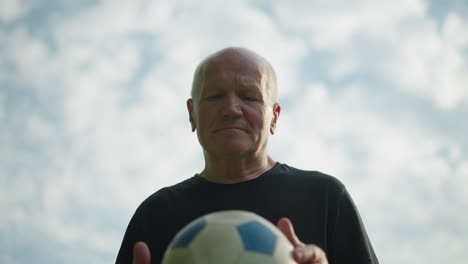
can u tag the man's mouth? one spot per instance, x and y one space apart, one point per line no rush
231 128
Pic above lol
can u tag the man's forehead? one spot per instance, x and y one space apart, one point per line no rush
230 73
217 80
228 64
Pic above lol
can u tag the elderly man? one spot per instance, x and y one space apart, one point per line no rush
233 109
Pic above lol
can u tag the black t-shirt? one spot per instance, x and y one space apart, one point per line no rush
318 205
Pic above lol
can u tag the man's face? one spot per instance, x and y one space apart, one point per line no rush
233 114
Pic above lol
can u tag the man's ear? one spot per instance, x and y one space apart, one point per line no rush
190 111
276 113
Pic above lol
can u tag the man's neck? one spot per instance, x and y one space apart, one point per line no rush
235 170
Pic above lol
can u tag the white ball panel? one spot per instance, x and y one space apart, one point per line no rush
178 256
249 257
283 251
215 242
232 217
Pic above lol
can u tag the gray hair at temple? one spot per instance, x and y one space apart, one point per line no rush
268 80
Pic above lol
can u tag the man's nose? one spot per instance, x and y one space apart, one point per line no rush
232 106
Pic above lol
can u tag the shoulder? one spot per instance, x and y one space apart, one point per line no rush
311 177
159 200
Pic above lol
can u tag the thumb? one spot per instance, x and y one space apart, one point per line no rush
285 225
141 253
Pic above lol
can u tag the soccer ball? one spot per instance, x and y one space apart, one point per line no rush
229 237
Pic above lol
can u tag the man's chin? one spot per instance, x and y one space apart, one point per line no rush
233 150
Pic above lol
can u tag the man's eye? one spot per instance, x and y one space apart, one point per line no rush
249 98
213 97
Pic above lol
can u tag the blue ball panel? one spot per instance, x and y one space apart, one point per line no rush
257 237
188 234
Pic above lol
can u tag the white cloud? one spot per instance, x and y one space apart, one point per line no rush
12 9
404 47
332 24
430 63
23 53
2 106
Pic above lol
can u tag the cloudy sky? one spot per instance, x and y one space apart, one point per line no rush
93 119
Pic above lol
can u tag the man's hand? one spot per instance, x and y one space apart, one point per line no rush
141 253
302 253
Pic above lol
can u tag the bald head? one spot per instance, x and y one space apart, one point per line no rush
268 75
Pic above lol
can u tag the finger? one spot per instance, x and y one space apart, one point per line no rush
285 225
141 253
310 254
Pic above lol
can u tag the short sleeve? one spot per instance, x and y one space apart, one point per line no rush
132 235
349 242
